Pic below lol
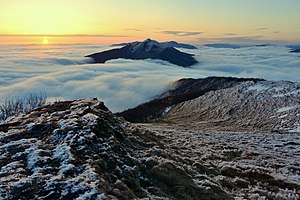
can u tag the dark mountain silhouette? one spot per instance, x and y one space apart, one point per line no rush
166 44
295 51
235 46
184 90
227 46
148 49
294 46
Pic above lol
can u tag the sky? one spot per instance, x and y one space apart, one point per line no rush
113 21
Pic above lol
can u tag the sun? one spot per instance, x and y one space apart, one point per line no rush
45 40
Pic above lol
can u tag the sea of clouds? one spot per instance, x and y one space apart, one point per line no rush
62 72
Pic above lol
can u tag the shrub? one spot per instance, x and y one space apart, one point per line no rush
16 105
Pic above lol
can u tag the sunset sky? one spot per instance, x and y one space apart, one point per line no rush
112 21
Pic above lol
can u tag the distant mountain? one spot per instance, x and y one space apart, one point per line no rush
148 49
295 51
184 90
227 46
165 44
294 46
235 46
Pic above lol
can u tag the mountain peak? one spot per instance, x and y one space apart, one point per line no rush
148 49
146 45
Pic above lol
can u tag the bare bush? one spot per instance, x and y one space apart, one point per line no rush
16 105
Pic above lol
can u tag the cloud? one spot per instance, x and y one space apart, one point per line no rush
133 29
230 34
121 83
262 29
181 33
257 39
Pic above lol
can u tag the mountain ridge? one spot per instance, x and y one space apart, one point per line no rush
148 49
183 90
224 103
166 44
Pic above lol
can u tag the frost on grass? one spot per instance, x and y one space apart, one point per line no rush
16 105
247 165
266 106
40 157
80 150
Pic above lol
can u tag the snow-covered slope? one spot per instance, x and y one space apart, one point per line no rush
263 106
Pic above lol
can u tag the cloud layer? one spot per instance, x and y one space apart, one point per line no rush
181 33
232 39
61 72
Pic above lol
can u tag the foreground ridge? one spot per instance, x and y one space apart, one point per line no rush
79 149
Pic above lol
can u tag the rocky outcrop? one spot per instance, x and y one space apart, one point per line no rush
148 49
183 90
80 150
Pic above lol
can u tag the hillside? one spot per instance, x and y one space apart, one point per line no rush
181 91
265 106
80 150
226 104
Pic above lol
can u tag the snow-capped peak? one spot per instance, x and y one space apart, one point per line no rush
146 45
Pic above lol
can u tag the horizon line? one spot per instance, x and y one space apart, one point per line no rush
60 35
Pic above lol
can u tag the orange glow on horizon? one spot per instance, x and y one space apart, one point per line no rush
193 21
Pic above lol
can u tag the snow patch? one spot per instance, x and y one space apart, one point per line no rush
258 87
285 109
63 154
90 119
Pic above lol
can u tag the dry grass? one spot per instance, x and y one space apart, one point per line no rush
16 105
